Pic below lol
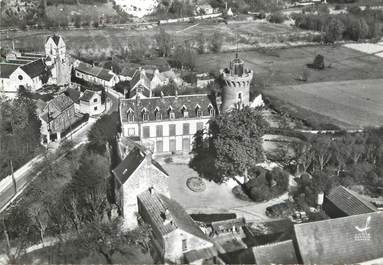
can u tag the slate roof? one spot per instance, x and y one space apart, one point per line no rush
88 94
34 68
346 240
276 253
74 94
138 75
56 38
95 71
33 55
163 103
7 69
349 202
131 162
155 204
56 106
19 62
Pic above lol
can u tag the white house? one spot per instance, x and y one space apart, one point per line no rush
90 103
95 74
6 87
165 124
138 8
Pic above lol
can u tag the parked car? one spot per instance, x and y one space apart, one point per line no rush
279 210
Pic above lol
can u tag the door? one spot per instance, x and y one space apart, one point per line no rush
159 147
186 145
172 145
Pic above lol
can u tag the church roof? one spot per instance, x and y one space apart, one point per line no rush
34 68
156 204
346 240
55 38
6 69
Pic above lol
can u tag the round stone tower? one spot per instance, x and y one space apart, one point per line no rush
236 89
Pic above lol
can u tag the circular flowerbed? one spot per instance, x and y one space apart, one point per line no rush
196 184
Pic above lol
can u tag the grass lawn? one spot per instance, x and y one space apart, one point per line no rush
283 66
358 103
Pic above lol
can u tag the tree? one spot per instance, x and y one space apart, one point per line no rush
235 140
164 42
276 17
333 30
216 42
108 239
184 56
201 43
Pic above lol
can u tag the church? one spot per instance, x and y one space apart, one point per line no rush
33 70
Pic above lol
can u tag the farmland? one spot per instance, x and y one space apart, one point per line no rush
358 103
284 66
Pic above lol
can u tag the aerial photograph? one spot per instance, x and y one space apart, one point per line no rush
191 132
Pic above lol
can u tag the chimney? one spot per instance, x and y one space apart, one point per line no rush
151 190
167 217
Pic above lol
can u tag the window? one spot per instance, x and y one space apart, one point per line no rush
20 77
198 111
172 116
95 100
211 110
185 112
95 108
145 132
199 126
131 132
184 245
145 116
159 131
186 128
130 116
172 130
240 96
157 114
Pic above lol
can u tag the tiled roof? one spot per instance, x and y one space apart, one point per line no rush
163 104
56 106
138 76
19 62
94 71
349 202
206 253
156 204
35 68
276 253
346 240
131 162
7 69
88 94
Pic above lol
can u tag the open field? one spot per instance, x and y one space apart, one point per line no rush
283 66
108 39
358 103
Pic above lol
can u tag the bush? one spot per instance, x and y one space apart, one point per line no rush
276 17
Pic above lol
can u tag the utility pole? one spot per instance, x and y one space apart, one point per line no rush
13 177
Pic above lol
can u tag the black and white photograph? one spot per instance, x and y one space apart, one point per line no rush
191 132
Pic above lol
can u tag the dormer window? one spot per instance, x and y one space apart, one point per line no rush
184 112
211 110
240 96
157 114
145 115
198 111
171 114
130 116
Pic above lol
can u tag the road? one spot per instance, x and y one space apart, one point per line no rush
24 175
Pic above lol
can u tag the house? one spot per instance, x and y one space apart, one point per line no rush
138 8
204 79
165 124
135 174
95 74
342 202
204 9
174 233
276 253
57 118
90 103
140 84
6 87
345 240
74 94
